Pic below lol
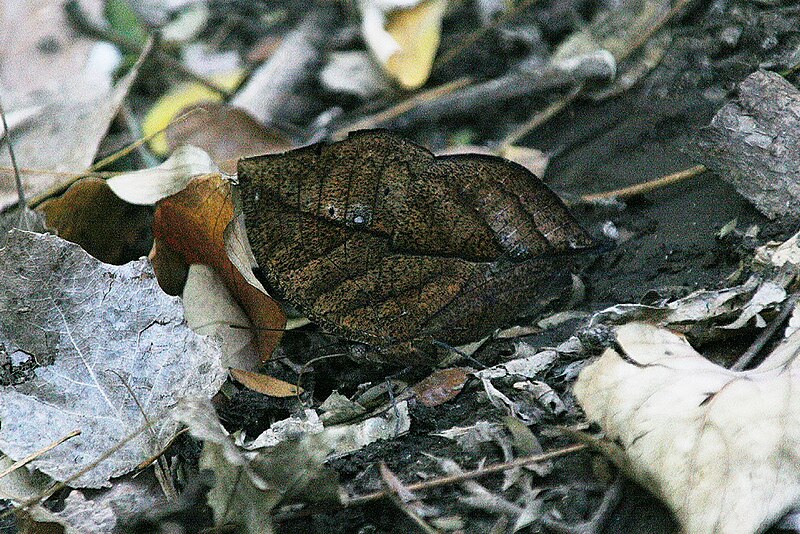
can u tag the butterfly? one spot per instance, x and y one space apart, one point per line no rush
378 241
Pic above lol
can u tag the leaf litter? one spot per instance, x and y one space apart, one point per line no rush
526 386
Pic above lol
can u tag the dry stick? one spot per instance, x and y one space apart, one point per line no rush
468 475
61 187
61 485
765 335
443 481
557 106
19 463
541 117
7 135
398 109
146 463
161 470
644 187
394 487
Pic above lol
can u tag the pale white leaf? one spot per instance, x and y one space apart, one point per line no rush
148 186
94 336
720 448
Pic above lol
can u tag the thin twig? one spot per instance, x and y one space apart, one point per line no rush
557 106
398 494
645 187
473 37
61 485
7 133
82 23
19 463
765 335
446 480
541 117
146 463
161 469
398 109
61 187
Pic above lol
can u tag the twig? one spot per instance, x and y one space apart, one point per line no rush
61 187
559 105
468 475
401 497
541 117
146 463
61 485
78 19
161 470
597 523
402 107
7 135
19 463
445 480
765 335
473 37
645 187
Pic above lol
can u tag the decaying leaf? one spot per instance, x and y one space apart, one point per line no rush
91 337
148 186
175 102
106 510
226 133
720 448
66 94
249 485
708 314
104 225
441 386
265 384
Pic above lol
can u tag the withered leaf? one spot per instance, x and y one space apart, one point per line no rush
377 240
93 347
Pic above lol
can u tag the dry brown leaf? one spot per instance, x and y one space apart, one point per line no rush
104 225
265 384
226 133
190 226
441 386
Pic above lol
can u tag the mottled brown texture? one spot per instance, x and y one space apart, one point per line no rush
377 240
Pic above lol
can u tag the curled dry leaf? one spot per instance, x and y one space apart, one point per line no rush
442 386
226 133
719 447
265 384
404 37
189 228
104 225
89 336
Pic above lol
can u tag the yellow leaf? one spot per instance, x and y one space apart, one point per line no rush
417 31
184 95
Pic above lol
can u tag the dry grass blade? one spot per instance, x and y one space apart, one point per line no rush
373 121
31 457
645 187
